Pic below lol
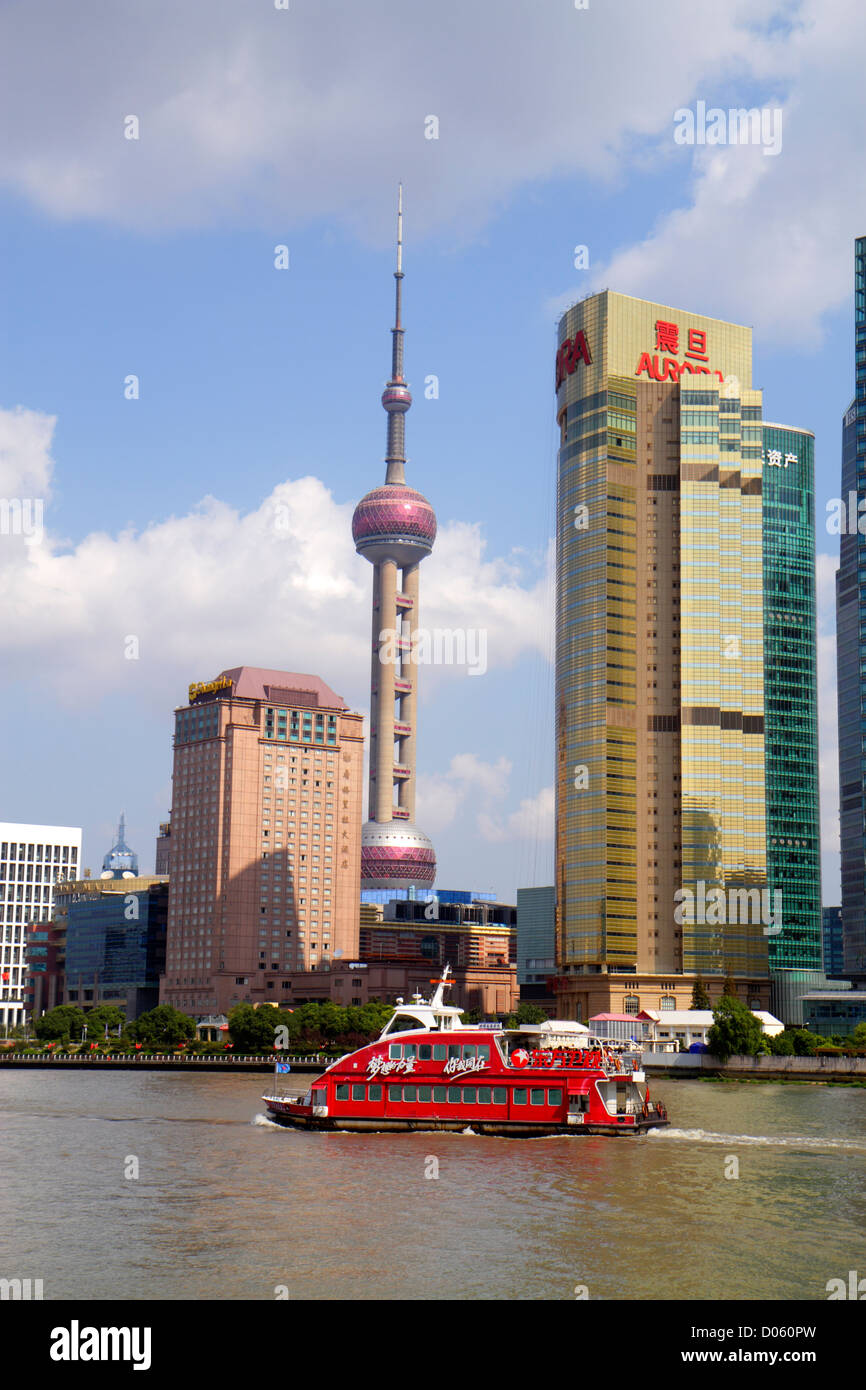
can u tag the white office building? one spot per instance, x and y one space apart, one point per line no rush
33 858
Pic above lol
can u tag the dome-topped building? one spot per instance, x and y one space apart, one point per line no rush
394 527
120 861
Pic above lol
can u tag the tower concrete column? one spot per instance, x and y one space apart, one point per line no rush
409 701
374 692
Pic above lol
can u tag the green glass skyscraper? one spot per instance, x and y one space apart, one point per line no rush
790 696
850 650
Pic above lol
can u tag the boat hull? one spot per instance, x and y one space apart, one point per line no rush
284 1114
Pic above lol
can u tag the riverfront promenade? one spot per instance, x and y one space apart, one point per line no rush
163 1061
689 1065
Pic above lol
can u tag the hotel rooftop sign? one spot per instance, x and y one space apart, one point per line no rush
208 687
614 335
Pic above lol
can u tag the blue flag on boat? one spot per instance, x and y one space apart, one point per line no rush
283 1066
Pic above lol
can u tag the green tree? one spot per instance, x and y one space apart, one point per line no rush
100 1016
729 988
163 1026
531 1013
858 1037
782 1045
805 1042
253 1030
65 1022
700 997
735 1031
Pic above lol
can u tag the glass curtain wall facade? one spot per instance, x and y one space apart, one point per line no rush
850 624
536 917
791 696
115 947
659 652
722 695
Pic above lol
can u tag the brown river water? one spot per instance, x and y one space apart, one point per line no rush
226 1205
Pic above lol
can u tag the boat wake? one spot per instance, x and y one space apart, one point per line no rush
265 1123
784 1141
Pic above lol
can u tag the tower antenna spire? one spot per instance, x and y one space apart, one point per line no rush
396 398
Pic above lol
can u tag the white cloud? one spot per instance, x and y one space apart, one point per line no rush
25 453
280 586
767 240
247 112
442 796
532 821
481 789
276 118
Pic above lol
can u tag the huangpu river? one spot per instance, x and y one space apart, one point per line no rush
756 1191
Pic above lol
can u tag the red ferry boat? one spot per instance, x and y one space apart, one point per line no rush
429 1071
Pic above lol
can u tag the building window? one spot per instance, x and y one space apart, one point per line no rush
631 1004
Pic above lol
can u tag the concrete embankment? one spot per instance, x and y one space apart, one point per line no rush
764 1068
165 1062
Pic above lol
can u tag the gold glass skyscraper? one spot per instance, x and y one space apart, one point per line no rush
661 838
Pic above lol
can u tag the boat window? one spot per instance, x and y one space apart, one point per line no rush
454 1093
440 1093
484 1052
403 1023
342 1093
425 1052
554 1098
359 1092
410 1050
440 1052
319 1097
424 1092
395 1092
536 1097
484 1095
519 1094
395 1051
375 1093
500 1095
410 1092
453 1050
469 1052
468 1095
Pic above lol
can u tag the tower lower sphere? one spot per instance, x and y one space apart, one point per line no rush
396 855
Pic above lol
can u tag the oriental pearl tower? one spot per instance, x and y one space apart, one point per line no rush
394 527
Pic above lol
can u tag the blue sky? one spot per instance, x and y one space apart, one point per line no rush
261 388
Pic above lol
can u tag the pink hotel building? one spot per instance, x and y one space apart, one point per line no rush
265 837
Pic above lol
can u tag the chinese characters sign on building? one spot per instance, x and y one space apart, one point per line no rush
692 345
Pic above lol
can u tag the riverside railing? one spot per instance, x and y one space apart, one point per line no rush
106 1059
